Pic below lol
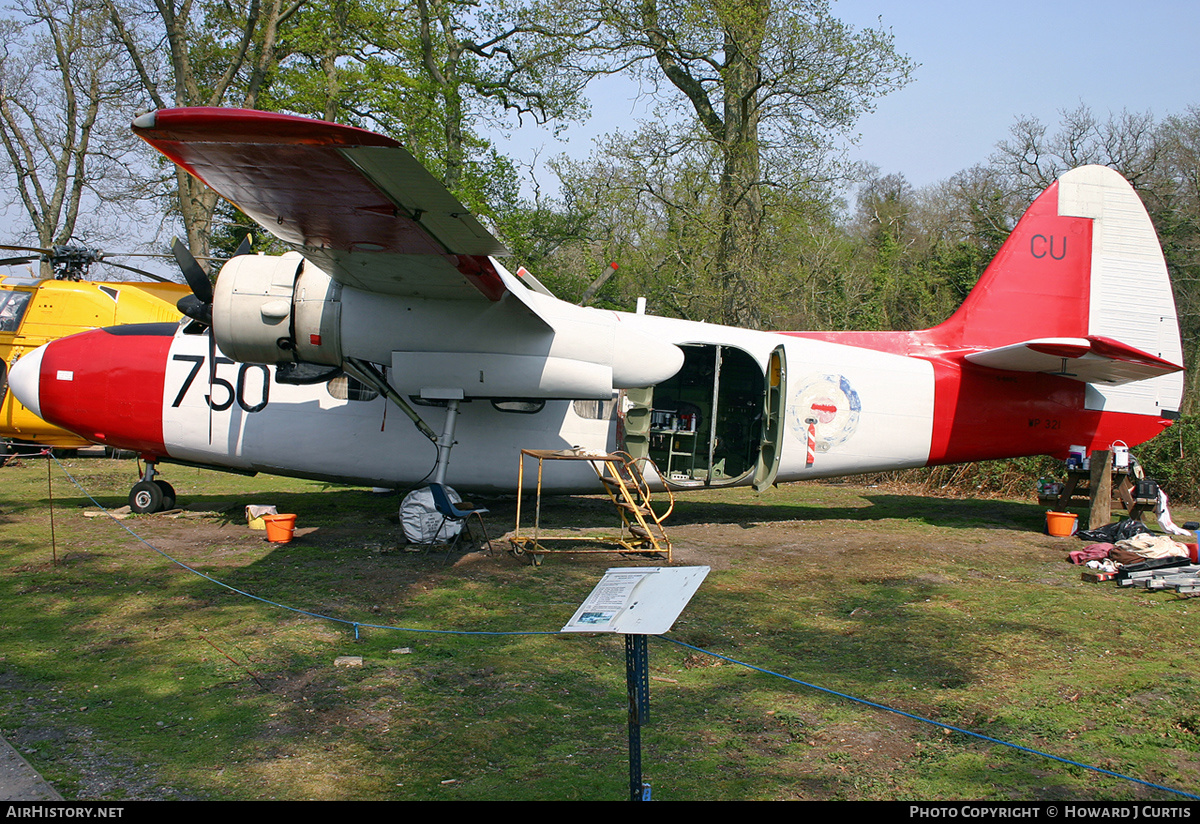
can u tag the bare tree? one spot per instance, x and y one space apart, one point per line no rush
61 87
1033 157
188 54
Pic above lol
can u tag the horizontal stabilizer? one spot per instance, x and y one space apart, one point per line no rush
1090 360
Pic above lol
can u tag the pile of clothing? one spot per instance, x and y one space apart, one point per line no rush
1127 543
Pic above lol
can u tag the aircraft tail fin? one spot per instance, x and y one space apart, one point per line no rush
1080 284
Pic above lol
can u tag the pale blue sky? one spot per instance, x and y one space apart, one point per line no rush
984 64
981 66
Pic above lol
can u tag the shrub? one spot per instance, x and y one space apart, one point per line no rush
1172 459
1010 478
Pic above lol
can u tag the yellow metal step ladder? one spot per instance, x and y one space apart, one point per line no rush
626 485
623 478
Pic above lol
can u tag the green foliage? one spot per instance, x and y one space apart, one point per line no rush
1173 459
958 266
230 225
764 92
436 75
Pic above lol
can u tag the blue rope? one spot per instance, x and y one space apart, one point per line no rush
357 625
929 721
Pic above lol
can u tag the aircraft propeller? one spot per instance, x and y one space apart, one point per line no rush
198 305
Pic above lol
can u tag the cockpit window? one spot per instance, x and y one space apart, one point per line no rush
12 309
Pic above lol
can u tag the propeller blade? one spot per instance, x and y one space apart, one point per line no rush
212 372
193 273
243 248
14 261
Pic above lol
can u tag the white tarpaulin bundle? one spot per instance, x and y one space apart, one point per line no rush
421 520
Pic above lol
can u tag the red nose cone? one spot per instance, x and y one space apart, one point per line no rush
107 385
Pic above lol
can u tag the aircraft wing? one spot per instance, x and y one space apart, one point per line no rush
353 202
1091 360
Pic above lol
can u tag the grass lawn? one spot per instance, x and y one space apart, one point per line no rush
127 676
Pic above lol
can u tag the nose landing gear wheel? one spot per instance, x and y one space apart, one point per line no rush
150 494
146 497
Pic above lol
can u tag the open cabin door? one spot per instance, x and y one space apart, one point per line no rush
774 402
717 422
634 436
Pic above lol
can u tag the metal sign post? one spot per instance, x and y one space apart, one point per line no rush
637 682
637 602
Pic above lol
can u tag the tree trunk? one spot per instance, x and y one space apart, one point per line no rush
443 70
195 201
738 251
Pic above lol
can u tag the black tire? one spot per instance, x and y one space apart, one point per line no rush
168 492
146 497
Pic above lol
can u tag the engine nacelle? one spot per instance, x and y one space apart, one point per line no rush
269 309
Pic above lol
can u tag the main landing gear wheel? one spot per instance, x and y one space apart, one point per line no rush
146 497
151 496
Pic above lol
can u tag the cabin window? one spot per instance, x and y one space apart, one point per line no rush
596 410
522 406
346 388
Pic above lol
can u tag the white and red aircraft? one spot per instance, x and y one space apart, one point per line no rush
393 298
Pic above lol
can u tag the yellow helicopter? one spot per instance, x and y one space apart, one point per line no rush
34 311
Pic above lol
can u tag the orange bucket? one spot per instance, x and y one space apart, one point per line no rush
280 528
1058 524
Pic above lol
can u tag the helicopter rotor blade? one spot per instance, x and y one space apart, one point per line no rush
137 271
40 251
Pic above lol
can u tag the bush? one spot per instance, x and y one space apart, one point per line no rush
1173 459
1010 478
